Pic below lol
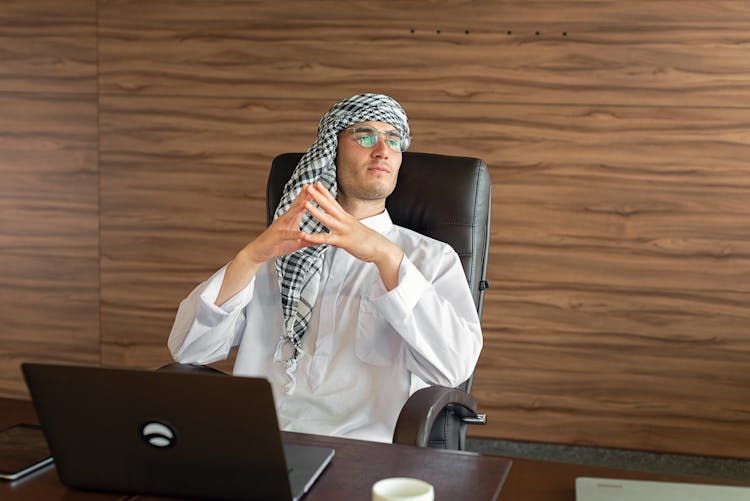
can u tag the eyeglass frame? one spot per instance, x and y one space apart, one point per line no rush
385 133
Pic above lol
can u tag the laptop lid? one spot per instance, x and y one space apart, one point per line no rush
609 489
175 434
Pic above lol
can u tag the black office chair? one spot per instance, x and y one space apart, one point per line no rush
449 199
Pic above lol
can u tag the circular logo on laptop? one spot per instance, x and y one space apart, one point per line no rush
158 434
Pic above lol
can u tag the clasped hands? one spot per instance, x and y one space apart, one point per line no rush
283 236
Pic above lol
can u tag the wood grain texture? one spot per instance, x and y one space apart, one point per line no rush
619 264
620 304
49 313
49 241
659 53
183 189
48 196
592 321
615 132
48 46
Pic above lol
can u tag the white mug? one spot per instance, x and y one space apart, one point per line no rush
402 489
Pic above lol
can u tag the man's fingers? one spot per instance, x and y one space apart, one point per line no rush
290 219
293 215
299 202
304 194
291 241
321 216
318 186
320 238
321 195
291 234
297 216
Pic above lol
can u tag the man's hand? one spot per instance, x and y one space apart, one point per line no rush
282 237
346 232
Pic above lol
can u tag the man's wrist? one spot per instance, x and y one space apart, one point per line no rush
248 256
245 263
389 264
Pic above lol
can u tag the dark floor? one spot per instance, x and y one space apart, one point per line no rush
710 467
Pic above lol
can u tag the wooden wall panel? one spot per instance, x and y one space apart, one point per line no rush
48 46
615 134
183 189
616 141
49 245
639 52
620 303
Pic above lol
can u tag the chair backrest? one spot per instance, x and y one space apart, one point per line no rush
444 197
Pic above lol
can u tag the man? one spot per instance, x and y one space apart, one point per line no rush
345 313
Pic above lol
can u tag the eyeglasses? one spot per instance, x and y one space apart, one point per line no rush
367 137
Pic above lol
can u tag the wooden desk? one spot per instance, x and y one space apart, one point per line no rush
355 467
532 480
349 476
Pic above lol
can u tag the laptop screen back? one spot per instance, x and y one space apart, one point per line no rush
193 435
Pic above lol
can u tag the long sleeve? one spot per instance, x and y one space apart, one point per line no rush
435 316
203 332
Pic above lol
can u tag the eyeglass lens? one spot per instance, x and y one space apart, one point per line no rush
367 137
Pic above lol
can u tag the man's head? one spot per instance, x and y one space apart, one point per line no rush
367 163
371 132
319 163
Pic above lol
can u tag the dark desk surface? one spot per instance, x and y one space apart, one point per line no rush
355 467
350 476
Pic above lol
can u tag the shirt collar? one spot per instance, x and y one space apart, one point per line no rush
381 222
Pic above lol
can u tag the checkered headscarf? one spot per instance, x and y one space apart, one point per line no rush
299 272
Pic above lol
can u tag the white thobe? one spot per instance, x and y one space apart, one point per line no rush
367 349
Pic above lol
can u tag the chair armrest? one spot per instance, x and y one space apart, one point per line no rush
420 411
177 367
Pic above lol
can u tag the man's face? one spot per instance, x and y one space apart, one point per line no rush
366 173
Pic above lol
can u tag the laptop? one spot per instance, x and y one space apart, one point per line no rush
175 434
609 489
